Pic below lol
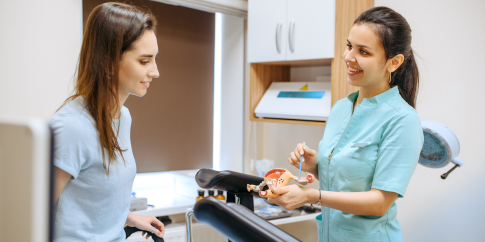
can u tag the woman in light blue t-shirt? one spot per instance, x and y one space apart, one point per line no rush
95 167
372 139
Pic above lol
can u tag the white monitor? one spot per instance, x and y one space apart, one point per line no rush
25 180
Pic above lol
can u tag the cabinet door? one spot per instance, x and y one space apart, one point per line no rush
311 29
267 30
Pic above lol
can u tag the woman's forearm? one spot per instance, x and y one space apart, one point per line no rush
372 203
61 178
129 218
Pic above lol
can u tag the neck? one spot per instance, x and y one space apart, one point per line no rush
121 101
371 91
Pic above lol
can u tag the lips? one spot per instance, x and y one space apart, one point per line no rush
145 84
353 71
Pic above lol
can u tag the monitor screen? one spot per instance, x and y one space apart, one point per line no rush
305 94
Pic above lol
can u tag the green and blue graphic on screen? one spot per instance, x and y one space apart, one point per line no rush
288 94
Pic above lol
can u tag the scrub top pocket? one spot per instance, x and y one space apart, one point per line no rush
350 182
350 236
367 153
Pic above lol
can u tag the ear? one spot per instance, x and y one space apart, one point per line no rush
396 62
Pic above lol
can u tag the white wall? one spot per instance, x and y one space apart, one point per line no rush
232 93
39 47
449 36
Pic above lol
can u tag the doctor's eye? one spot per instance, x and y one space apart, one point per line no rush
144 62
364 52
349 46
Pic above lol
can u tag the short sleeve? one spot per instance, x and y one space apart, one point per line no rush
398 153
72 139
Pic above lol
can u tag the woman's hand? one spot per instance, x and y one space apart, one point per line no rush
309 157
294 196
146 223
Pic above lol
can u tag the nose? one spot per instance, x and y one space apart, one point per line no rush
349 56
154 72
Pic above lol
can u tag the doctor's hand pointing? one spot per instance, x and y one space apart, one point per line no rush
310 160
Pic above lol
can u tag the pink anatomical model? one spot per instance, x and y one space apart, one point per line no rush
278 178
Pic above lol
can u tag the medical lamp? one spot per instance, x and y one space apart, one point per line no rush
440 147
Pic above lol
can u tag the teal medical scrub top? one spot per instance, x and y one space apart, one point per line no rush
375 146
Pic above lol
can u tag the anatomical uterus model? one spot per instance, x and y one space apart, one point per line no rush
278 178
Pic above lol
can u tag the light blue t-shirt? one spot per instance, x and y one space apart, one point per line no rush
92 206
375 146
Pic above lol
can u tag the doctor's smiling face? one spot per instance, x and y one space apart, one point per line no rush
138 66
365 58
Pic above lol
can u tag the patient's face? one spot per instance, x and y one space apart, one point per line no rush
138 66
365 57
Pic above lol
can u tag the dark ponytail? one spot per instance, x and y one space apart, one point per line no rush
395 35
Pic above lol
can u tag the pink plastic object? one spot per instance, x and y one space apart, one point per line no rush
278 178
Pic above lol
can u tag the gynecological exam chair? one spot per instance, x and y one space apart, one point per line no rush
236 219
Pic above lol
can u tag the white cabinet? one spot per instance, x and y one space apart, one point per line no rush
289 30
311 30
267 30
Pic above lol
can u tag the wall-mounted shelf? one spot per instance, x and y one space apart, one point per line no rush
262 74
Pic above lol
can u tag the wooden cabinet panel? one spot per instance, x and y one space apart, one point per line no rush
346 11
261 77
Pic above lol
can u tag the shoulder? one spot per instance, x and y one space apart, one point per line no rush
402 110
125 114
73 118
340 109
73 124
340 106
342 101
404 120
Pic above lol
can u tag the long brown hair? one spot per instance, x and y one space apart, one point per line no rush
395 35
111 29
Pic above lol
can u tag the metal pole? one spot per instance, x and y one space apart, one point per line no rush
188 220
444 176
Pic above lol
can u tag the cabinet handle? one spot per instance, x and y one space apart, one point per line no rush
278 37
291 36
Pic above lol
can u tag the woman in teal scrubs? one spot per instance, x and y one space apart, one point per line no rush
372 139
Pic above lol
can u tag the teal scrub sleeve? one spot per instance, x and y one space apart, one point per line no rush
398 153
